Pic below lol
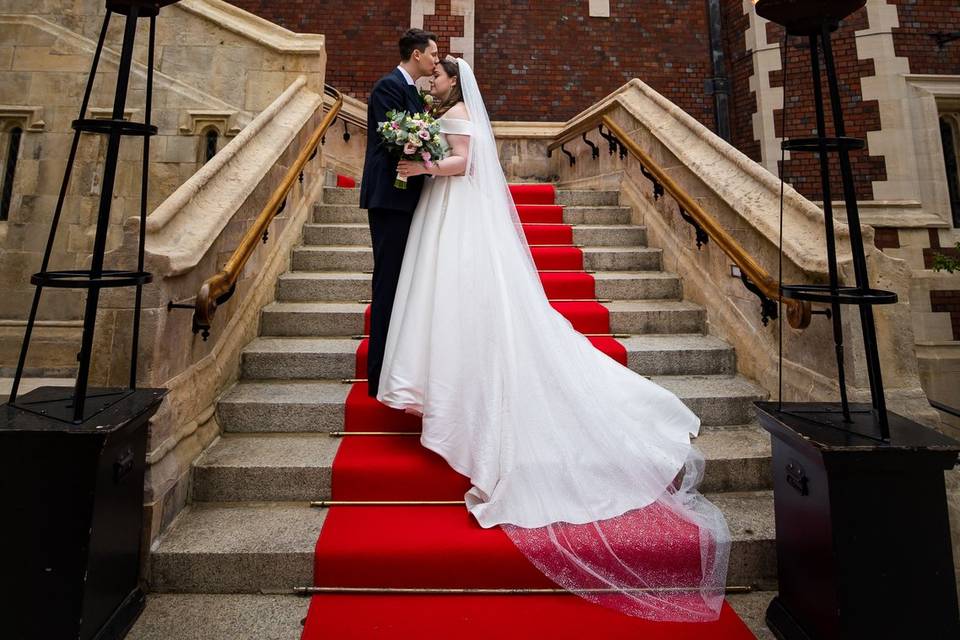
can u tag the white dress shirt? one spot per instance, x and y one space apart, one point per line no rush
407 75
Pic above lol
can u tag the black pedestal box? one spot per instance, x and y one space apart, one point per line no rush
72 498
863 537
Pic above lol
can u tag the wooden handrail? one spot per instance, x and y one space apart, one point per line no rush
798 312
219 288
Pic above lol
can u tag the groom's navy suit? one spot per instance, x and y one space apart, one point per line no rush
389 211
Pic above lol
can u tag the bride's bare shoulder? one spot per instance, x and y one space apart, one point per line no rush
458 111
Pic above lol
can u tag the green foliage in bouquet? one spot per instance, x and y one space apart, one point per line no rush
412 137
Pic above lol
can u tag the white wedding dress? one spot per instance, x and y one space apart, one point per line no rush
587 465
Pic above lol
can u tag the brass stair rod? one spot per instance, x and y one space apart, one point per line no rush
370 272
505 591
325 504
597 300
362 336
341 434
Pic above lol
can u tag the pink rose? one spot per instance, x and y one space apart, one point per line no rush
425 155
424 134
409 149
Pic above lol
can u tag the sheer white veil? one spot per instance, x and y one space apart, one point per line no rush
483 163
664 561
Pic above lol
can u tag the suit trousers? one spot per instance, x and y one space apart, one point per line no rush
388 231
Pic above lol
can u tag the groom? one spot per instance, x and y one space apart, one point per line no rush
390 210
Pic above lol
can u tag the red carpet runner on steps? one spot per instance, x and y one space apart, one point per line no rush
443 546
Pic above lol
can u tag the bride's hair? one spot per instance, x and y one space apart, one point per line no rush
452 69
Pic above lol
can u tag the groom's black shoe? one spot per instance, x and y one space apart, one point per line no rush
388 232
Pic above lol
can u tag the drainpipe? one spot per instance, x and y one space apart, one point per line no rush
719 85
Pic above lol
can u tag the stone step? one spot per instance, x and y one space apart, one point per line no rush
576 214
334 195
265 467
332 258
716 399
283 406
254 547
609 235
308 286
342 233
655 316
622 258
236 548
587 198
354 258
358 233
316 406
346 318
335 358
218 616
192 616
276 467
638 285
337 195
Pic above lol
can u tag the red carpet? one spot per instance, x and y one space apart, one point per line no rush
494 617
433 546
557 258
573 285
540 214
533 193
548 233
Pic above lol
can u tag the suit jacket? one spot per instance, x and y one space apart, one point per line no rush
379 167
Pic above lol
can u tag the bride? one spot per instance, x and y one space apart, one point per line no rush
586 465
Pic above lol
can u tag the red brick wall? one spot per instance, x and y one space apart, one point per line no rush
948 301
445 26
524 55
361 35
913 40
550 60
743 101
803 169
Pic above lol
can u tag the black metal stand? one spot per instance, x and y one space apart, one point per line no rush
863 537
84 403
73 462
73 497
833 294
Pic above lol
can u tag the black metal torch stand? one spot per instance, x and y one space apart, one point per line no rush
73 460
863 537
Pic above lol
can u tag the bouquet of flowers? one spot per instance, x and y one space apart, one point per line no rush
412 137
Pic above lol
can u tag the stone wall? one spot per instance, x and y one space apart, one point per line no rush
215 70
743 98
913 38
216 66
534 60
802 170
742 196
361 36
548 61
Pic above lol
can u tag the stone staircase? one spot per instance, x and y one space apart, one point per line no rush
249 527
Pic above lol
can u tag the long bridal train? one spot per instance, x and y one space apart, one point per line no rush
587 466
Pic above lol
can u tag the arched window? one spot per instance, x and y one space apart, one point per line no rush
950 136
211 138
9 171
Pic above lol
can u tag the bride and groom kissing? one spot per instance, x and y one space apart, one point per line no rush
587 466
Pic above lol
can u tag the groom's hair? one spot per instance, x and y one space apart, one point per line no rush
414 39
